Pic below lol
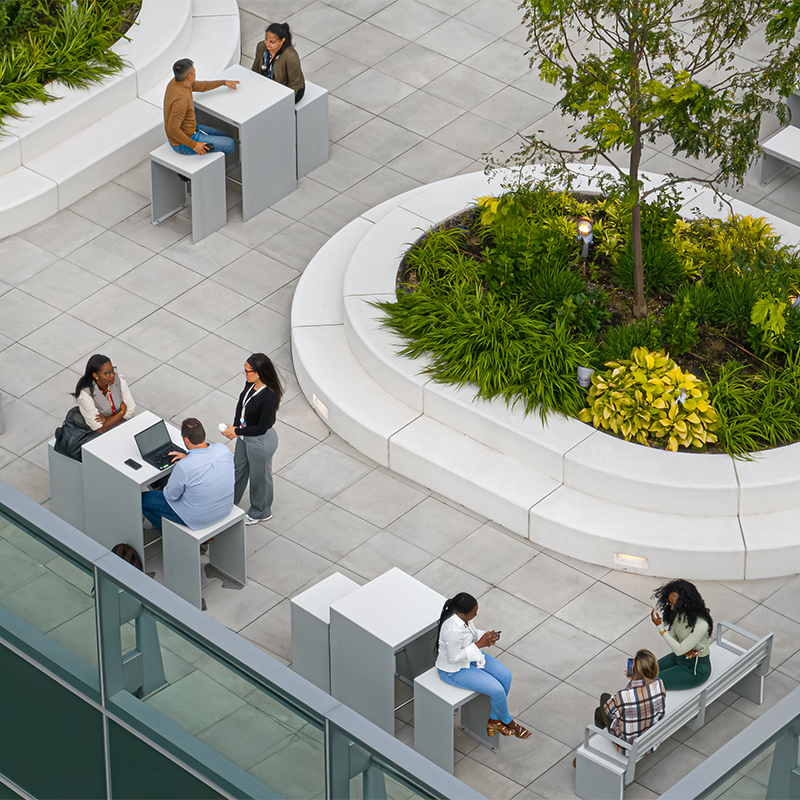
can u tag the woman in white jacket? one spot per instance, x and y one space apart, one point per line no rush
461 663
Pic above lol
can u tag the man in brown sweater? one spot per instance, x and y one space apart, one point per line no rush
179 120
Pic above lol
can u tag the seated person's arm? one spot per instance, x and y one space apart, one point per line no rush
612 708
176 485
259 57
691 641
89 411
127 398
457 655
294 74
177 113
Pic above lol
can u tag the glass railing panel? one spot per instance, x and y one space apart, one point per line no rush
51 744
52 595
271 747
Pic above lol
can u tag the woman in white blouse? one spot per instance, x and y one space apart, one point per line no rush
103 395
461 663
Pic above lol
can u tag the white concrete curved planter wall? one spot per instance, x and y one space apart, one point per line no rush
563 485
65 149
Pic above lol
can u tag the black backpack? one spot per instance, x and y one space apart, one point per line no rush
73 434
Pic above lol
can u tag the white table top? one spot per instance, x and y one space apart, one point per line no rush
318 599
114 447
254 94
394 607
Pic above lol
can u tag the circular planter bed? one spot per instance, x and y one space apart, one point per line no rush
562 484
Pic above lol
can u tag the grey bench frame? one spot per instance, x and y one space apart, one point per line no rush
602 776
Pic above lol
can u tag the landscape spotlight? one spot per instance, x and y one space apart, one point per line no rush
585 228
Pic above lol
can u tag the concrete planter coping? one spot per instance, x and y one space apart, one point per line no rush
563 485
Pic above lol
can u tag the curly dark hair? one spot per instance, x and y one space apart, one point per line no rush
690 604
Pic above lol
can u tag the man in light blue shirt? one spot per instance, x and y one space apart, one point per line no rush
200 489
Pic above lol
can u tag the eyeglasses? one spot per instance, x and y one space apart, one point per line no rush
109 374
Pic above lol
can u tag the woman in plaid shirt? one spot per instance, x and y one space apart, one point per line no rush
637 707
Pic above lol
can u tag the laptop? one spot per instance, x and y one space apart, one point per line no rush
155 445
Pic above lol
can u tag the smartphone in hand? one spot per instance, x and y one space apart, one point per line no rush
629 671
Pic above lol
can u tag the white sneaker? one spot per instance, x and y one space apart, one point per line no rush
248 520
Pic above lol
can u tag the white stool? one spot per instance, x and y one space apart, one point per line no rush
311 115
435 703
311 615
182 555
207 176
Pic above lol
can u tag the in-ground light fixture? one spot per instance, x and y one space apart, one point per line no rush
585 228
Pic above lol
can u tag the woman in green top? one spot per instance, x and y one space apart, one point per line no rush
686 627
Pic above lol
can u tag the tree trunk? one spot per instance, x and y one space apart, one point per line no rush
639 304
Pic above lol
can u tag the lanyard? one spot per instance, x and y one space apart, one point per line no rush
253 393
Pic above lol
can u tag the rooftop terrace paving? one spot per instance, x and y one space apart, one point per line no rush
418 91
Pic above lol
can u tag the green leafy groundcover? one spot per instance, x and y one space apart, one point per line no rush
501 298
42 41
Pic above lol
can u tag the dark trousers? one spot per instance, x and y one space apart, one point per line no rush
678 672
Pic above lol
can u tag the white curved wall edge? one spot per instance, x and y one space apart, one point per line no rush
563 485
67 148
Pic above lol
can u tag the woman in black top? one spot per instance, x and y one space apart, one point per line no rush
257 439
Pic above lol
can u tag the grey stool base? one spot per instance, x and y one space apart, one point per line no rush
434 705
207 176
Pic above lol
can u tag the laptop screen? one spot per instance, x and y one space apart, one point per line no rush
152 438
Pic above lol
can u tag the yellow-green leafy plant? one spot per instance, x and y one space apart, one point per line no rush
649 396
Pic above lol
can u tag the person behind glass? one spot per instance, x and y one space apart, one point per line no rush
461 663
686 627
278 60
257 440
103 395
199 491
180 123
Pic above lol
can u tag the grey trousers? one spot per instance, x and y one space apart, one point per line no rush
252 459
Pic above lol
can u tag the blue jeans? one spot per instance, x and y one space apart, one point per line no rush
221 142
493 680
155 507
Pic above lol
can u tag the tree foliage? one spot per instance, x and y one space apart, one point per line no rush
635 71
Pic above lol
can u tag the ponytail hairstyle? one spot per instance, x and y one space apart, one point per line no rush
462 603
267 373
92 365
281 30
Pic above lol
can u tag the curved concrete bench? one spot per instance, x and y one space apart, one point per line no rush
563 485
65 149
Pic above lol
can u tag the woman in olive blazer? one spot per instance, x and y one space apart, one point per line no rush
277 59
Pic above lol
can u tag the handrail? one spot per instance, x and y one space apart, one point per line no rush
228 646
759 734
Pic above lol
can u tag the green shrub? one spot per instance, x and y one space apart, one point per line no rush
620 342
679 327
756 411
663 269
440 264
479 339
585 312
647 396
69 43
